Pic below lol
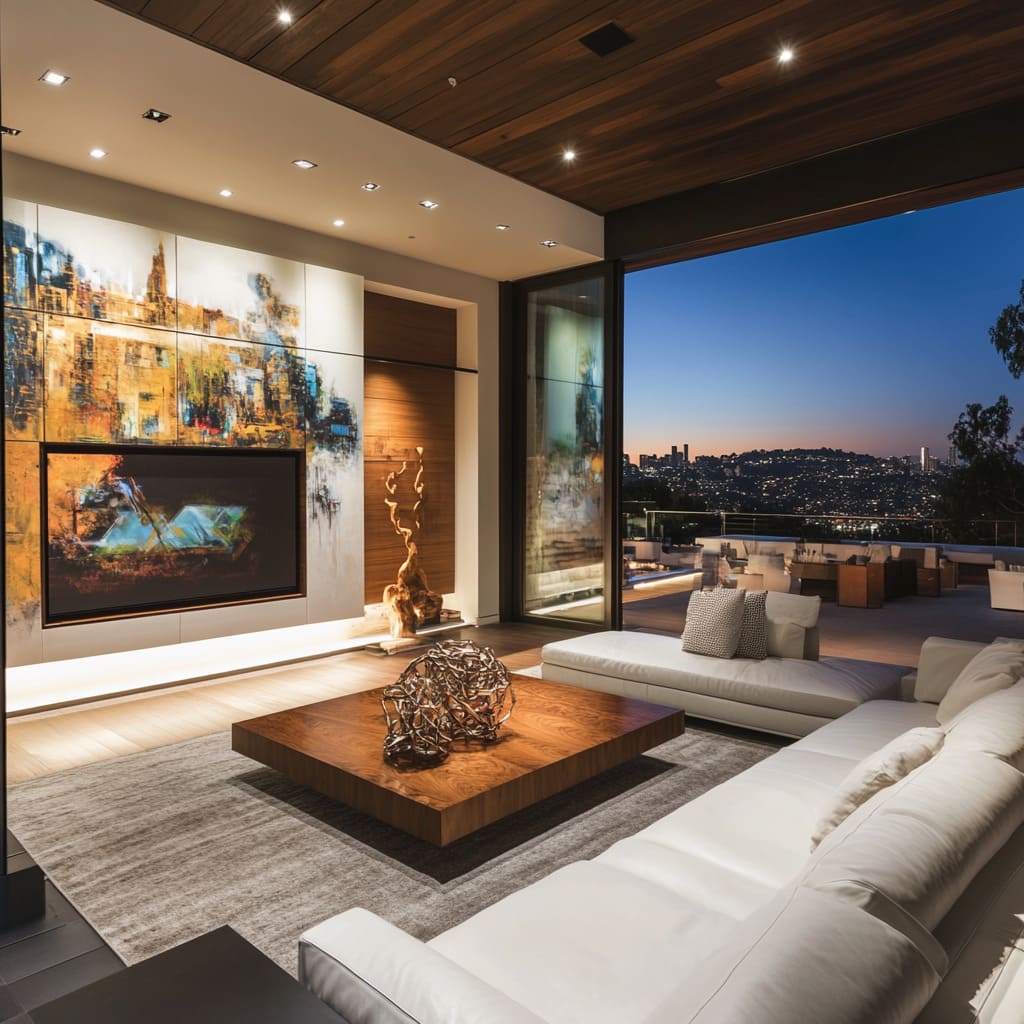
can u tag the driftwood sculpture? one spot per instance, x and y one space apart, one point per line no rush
409 602
457 690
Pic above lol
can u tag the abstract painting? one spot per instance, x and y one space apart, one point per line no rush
231 293
109 382
334 486
23 375
21 495
19 257
132 530
105 269
240 393
565 473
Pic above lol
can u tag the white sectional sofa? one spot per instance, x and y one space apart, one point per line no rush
719 913
788 696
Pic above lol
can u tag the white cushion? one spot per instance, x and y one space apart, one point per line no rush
785 639
754 826
921 841
805 957
889 764
587 944
826 688
790 616
941 661
714 619
867 727
996 667
993 725
356 963
798 608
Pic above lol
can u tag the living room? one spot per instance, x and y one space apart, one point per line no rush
353 327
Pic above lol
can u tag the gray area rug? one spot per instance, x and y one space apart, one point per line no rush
157 848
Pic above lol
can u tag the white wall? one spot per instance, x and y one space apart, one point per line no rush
476 299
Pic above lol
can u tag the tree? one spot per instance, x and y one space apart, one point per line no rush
1008 336
990 482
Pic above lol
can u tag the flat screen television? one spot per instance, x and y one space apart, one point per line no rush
136 530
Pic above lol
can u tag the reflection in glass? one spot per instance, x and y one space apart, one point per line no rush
565 480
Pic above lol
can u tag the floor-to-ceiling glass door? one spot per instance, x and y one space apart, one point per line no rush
567 342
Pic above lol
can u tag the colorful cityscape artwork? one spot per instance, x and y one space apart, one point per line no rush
118 334
142 529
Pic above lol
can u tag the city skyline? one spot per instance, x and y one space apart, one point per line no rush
870 338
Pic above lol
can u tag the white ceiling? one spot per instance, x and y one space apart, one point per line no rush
235 127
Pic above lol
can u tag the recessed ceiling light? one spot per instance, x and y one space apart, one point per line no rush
53 78
305 165
569 155
4 130
428 204
338 223
226 193
549 243
785 55
97 153
371 186
156 115
501 227
284 17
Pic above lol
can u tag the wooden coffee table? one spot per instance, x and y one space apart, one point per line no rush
558 735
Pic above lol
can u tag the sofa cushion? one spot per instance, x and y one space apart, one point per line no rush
714 619
587 944
887 765
993 725
754 827
826 688
373 973
995 667
921 841
790 618
941 661
805 957
863 730
754 627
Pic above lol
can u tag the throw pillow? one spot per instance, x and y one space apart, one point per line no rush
713 622
995 667
994 725
790 616
754 627
880 769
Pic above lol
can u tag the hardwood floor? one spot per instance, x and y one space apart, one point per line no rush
52 741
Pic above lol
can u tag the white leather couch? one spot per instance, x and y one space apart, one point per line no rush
788 696
719 913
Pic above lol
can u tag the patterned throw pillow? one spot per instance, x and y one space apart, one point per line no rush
713 622
754 627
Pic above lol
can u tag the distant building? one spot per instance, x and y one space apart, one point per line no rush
926 463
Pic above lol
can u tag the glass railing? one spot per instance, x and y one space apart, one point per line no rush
680 527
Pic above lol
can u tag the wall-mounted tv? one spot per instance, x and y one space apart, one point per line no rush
136 530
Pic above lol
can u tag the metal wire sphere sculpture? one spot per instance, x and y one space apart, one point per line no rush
457 690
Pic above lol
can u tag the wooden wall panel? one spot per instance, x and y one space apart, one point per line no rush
411 331
406 406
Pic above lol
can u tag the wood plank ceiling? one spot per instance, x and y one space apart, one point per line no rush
698 96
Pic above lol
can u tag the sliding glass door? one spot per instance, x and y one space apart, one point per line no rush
569 444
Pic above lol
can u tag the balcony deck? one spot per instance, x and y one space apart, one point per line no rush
893 633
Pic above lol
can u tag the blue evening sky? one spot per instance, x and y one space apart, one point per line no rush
870 338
